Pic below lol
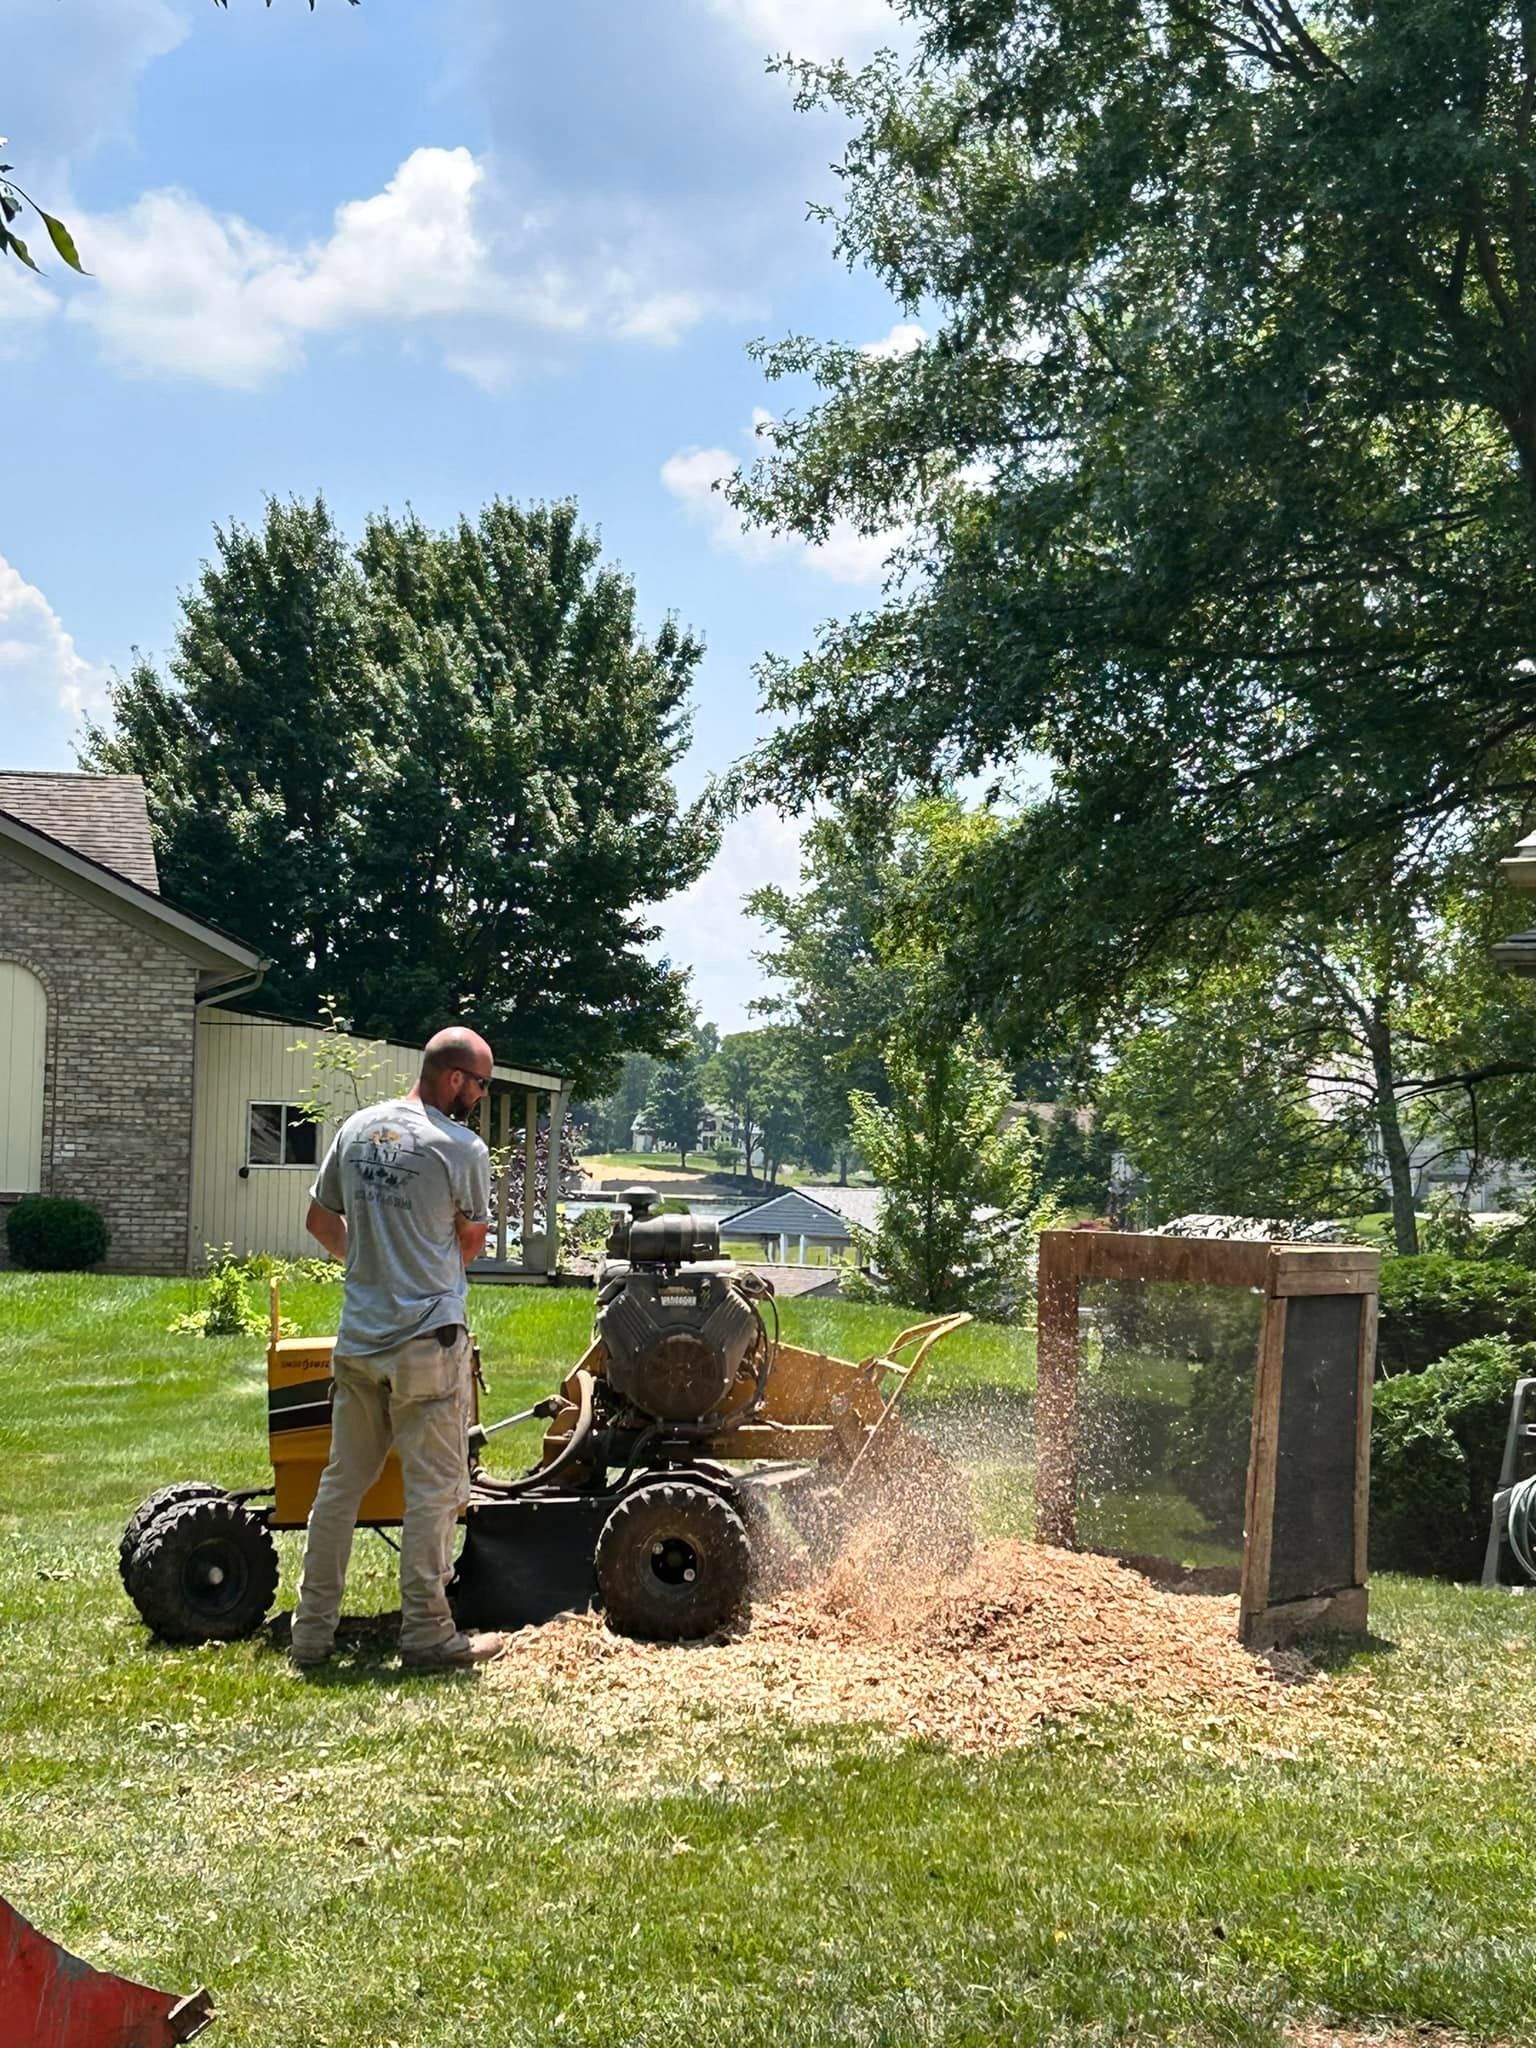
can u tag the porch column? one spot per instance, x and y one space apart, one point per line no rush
530 1178
802 1247
552 1185
503 1120
783 1248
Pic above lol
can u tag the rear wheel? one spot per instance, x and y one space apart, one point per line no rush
147 1510
204 1571
672 1562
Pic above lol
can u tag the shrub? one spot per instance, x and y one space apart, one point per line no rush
1437 1440
1434 1303
52 1234
228 1310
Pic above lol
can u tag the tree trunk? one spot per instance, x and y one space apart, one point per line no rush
1405 1222
842 1169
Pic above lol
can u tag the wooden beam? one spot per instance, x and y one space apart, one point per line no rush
1137 1255
1263 1455
503 1118
1368 1316
552 1185
528 1260
1346 1609
1324 1269
1056 1371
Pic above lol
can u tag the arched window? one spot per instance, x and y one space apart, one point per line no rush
23 1041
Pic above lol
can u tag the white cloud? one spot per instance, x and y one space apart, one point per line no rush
693 476
706 928
25 305
184 291
818 29
82 66
903 338
45 682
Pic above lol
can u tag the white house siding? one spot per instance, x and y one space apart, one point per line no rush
241 1060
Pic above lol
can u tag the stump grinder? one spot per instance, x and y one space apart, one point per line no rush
672 1453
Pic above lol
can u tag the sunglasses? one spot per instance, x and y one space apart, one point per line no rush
481 1081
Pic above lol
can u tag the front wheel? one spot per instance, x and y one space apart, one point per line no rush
150 1510
672 1562
204 1571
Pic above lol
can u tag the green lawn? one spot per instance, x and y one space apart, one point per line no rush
364 1858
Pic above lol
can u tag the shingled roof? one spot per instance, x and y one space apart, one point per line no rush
104 817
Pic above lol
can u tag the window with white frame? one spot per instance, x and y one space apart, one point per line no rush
280 1134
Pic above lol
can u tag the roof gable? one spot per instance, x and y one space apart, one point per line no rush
105 817
790 1214
215 951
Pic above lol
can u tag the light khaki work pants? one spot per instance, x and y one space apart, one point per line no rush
416 1397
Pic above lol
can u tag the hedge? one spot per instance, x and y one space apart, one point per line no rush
52 1234
1437 1441
1433 1303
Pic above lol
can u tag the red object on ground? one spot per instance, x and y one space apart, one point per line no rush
50 1999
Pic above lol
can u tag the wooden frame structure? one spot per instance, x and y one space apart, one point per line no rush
1307 1494
496 1120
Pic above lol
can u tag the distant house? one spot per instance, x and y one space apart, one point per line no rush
717 1126
786 1224
123 1078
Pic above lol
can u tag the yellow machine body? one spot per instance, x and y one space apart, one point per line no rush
299 1434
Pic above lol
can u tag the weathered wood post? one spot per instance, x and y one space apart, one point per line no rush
531 1250
1056 1370
552 1185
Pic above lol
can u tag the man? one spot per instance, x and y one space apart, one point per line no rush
403 1199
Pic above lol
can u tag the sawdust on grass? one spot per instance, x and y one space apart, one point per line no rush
977 1658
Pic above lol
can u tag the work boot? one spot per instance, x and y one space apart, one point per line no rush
308 1659
458 1653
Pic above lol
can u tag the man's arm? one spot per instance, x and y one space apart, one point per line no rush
329 1229
471 1237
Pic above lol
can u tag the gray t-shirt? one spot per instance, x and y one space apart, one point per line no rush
400 1173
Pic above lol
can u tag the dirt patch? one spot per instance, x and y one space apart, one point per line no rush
1020 1635
1316 2034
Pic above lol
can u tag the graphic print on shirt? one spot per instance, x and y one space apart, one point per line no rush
385 1160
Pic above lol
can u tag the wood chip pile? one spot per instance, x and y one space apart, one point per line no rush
978 1659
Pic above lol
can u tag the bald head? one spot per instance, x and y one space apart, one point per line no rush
455 1070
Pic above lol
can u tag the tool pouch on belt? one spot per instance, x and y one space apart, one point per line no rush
426 1369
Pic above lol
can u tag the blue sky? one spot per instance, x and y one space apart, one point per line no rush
419 252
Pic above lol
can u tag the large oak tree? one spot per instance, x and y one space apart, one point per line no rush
430 776
1217 466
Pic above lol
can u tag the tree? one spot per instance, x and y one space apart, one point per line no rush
841 987
432 776
1077 1155
675 1103
756 1075
780 1105
960 1193
1212 1095
1217 476
611 1119
1327 1047
734 1077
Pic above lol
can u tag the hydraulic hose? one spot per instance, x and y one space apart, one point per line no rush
1522 1525
539 1475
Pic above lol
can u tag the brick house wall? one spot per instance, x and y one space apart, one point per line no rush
118 1082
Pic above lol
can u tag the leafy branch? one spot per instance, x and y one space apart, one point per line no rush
12 200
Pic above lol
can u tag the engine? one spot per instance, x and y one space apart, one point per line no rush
677 1332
